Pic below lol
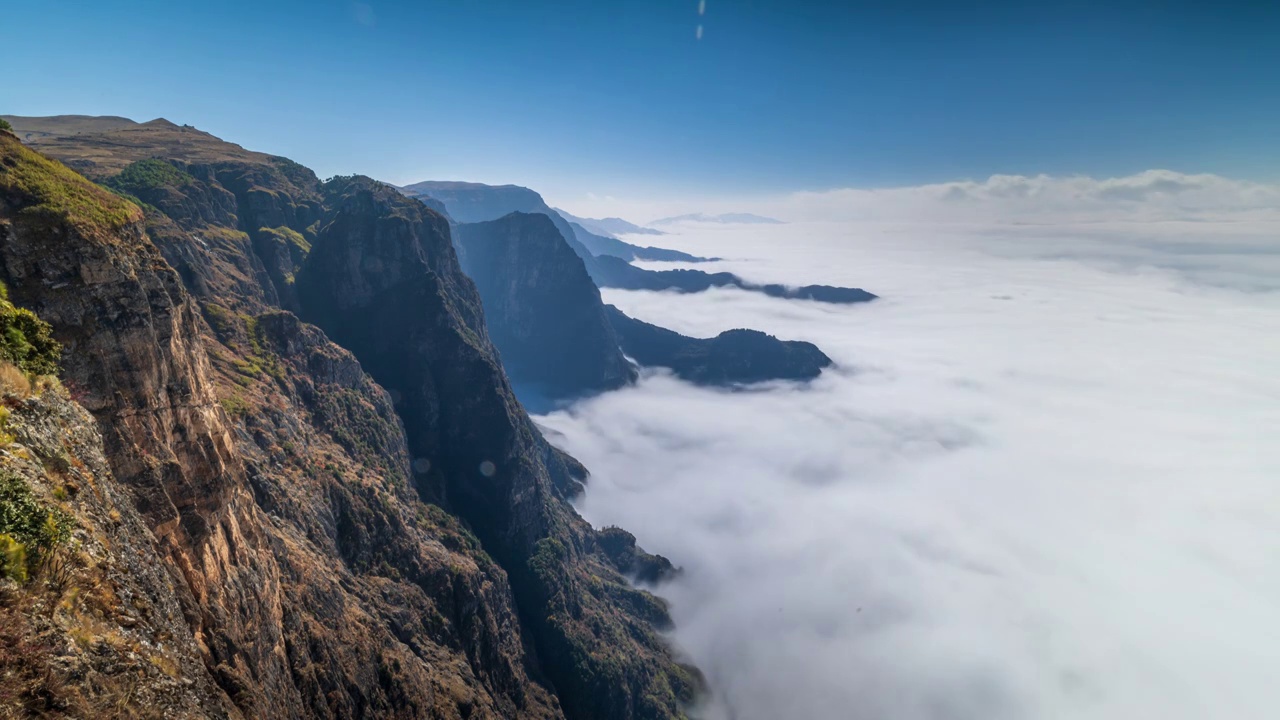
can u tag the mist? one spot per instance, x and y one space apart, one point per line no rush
1040 482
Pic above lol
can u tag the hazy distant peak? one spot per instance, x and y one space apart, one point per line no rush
610 226
427 185
723 218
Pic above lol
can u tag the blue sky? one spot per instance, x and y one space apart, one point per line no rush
623 98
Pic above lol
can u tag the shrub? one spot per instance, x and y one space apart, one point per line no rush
28 522
13 559
27 341
145 175
4 125
235 407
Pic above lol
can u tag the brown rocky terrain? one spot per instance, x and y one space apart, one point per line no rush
366 529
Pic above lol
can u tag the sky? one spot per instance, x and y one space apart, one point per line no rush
630 100
1038 484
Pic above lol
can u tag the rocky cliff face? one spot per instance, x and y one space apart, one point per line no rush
543 312
383 280
96 630
338 549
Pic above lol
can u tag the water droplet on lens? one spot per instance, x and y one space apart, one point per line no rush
487 469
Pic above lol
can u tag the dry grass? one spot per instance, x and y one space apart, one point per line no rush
13 381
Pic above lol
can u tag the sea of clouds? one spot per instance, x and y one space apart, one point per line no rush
1042 482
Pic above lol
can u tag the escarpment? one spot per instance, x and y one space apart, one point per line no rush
543 312
368 526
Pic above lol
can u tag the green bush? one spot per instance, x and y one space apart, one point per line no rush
26 340
31 528
4 125
145 175
13 559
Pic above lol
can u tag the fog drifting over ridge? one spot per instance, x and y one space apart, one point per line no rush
1040 484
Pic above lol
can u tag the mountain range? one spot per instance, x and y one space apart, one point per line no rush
610 226
265 449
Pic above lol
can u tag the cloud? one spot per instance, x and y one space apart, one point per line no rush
1147 196
1039 485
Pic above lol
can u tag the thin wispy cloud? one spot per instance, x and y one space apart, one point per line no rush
1147 196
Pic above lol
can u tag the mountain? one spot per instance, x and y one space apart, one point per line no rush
726 218
732 357
475 202
609 226
294 385
543 312
472 202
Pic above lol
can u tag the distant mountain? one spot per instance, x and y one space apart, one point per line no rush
607 259
467 202
612 272
725 219
733 356
609 226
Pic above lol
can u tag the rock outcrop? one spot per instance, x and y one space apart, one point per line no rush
732 357
543 312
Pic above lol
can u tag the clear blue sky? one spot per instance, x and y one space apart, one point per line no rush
623 97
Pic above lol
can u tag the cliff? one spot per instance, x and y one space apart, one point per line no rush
325 518
543 312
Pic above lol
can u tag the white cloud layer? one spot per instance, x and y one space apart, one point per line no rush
1042 483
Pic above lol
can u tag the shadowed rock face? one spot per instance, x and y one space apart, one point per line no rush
382 279
284 486
543 312
733 356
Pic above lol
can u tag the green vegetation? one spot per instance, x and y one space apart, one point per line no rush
4 125
235 406
290 238
26 340
29 530
51 193
145 175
